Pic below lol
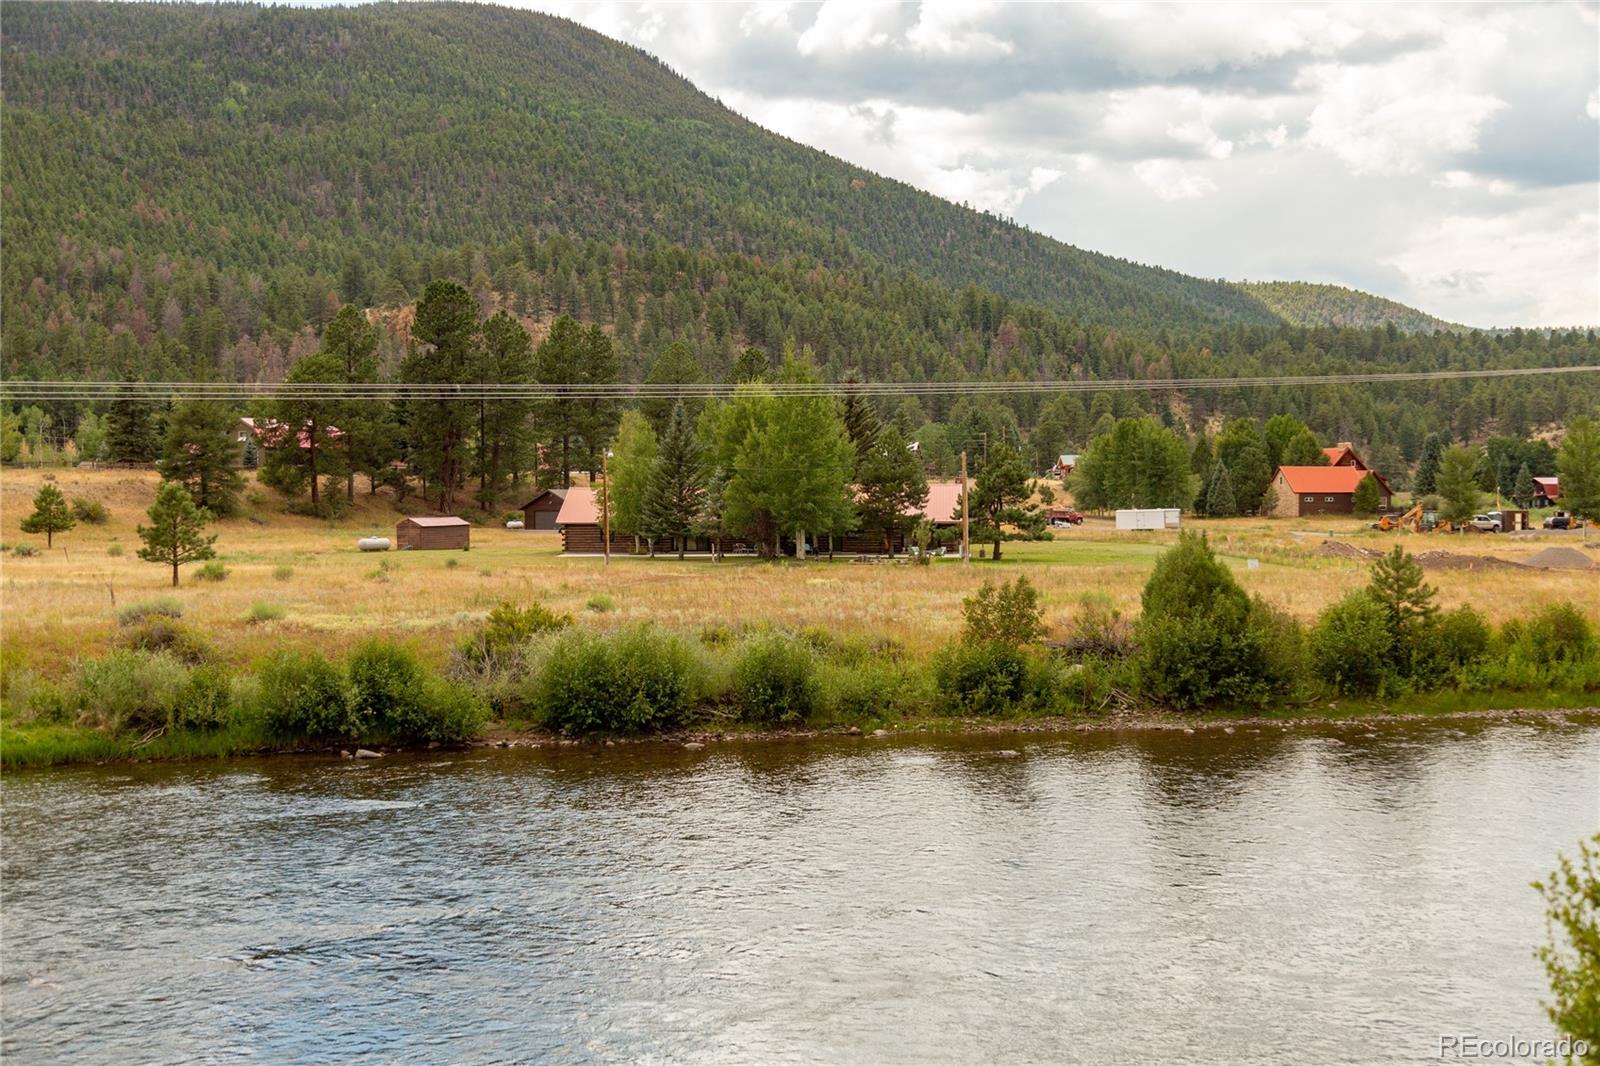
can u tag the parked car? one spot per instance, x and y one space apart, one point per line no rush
1493 522
1063 519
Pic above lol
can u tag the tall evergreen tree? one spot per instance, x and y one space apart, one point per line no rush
1457 484
133 435
507 359
999 496
176 533
202 453
352 341
860 418
672 495
1524 487
1365 499
1220 501
1424 483
751 366
676 366
1241 449
446 329
893 487
303 445
50 515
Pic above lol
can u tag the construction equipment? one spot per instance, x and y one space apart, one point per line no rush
1415 520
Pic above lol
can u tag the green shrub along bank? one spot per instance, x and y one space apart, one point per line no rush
1199 644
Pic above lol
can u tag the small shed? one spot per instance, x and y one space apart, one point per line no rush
430 533
541 511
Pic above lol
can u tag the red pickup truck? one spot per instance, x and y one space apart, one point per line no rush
1062 517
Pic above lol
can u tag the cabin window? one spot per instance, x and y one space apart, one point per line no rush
1311 499
1327 499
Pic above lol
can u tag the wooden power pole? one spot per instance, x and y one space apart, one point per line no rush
966 545
605 510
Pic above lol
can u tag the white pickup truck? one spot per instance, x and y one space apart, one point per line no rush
1493 522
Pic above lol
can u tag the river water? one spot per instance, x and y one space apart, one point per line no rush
1317 895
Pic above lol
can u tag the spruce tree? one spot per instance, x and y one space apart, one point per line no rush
352 341
751 366
506 359
1457 484
675 368
1426 479
1220 501
132 435
672 495
1397 585
1365 499
176 534
999 496
1525 489
445 352
202 453
892 485
50 515
302 445
860 419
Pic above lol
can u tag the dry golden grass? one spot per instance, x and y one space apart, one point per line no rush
59 606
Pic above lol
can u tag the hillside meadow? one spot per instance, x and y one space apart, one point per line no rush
320 592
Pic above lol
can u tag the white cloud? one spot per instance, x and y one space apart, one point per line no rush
1172 180
848 26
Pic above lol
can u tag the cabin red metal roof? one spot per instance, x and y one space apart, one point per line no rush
943 505
1325 479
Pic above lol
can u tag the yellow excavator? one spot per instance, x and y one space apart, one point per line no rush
1415 520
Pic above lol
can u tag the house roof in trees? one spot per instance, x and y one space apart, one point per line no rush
944 503
558 494
1344 454
433 521
578 508
1328 479
1550 486
271 433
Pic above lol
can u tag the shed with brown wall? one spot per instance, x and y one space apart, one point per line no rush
433 533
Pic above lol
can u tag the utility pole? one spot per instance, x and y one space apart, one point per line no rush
605 513
966 547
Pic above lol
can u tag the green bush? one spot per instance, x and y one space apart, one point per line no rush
1008 614
137 690
212 571
282 573
391 691
114 550
774 680
717 636
1098 630
262 611
91 511
1558 633
1282 641
207 700
160 633
163 606
1352 646
508 627
987 678
26 551
634 681
302 694
601 604
859 692
1462 637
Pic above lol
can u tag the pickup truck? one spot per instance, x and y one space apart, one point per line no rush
1062 519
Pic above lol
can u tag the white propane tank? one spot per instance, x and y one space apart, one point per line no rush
514 524
373 544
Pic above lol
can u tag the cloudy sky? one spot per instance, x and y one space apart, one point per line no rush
1446 156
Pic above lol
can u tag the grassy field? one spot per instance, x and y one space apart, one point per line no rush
63 604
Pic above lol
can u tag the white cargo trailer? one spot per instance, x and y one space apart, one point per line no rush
1148 518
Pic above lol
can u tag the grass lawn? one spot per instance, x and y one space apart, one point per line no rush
63 604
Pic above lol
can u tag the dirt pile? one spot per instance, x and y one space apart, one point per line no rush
1559 559
1334 550
1438 559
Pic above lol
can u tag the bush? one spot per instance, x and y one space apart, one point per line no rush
1098 630
717 636
601 604
304 695
1461 638
859 692
136 690
981 678
212 571
774 680
91 511
162 606
498 642
160 633
282 573
1283 648
1007 614
392 692
264 612
26 551
634 681
1559 633
207 700
1352 646
115 551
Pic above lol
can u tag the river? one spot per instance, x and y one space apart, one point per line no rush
1311 895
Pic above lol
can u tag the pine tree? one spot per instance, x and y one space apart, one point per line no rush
672 495
175 534
202 454
860 419
1407 600
132 435
1365 499
447 324
1241 448
1525 489
1578 466
50 515
363 423
751 366
507 359
1457 484
1425 481
999 495
1220 501
676 366
302 444
893 487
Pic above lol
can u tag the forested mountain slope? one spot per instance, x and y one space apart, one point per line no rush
1302 303
257 137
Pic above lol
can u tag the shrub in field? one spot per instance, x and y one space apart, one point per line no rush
1007 614
115 551
1461 638
165 634
31 698
26 551
91 511
634 681
1352 645
212 571
392 692
717 636
1558 633
1200 639
160 607
302 694
137 690
207 700
1098 630
262 611
988 678
774 680
601 604
282 573
862 692
1285 666
498 643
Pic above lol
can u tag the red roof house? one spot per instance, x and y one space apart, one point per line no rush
1309 490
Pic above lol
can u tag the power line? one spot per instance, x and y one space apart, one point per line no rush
162 390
